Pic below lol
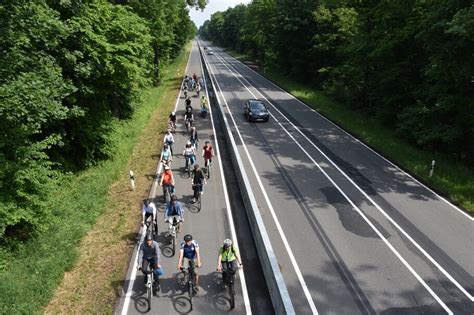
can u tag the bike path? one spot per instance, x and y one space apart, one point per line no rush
209 227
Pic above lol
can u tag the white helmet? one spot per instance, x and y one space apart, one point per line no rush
173 113
227 243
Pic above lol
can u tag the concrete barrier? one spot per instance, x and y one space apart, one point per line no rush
276 285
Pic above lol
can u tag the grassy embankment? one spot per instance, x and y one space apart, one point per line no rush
451 179
79 265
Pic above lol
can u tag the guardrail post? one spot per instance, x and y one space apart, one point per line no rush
432 167
132 180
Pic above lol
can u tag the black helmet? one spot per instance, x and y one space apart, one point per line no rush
148 237
174 198
146 202
188 237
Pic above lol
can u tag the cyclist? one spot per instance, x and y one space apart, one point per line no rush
195 77
169 140
167 181
228 259
189 154
148 210
188 104
149 254
189 250
207 153
166 156
174 208
172 120
198 181
188 119
203 106
198 89
193 137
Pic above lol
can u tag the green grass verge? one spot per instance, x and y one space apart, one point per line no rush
30 275
451 179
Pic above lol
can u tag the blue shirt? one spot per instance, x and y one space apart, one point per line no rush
189 251
170 211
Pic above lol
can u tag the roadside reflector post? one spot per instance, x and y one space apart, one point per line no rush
132 180
432 167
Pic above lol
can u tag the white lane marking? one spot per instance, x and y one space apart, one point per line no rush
399 256
133 275
226 196
421 249
270 207
359 141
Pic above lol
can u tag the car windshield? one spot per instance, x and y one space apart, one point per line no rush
257 106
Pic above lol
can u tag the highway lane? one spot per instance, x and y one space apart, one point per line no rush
439 230
367 270
209 227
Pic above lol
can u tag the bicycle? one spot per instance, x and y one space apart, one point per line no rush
167 193
173 230
207 168
189 164
189 124
148 222
197 204
172 126
150 288
185 94
189 277
228 278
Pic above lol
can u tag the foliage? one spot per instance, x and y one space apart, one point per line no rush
69 71
407 64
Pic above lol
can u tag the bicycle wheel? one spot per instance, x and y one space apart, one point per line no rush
198 202
208 170
173 244
232 295
149 292
167 195
190 290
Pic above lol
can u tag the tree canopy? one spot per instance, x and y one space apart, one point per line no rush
69 70
408 64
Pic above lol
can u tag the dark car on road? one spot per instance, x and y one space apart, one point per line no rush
255 110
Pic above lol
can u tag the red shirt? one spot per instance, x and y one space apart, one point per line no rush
207 152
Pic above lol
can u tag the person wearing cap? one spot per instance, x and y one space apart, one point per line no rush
228 259
189 250
149 255
174 208
189 154
148 210
169 140
172 120
167 180
193 137
166 156
199 180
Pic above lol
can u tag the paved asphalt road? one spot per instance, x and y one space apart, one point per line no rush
209 227
351 231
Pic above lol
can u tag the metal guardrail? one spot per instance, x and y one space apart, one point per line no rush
276 285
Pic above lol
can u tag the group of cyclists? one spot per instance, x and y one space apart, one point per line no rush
149 251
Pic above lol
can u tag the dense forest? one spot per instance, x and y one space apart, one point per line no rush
69 70
407 64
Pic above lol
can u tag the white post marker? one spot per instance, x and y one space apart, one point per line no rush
132 180
432 167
